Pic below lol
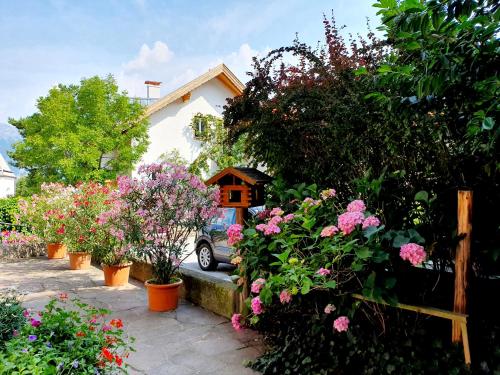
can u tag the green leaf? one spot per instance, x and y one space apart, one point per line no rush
399 241
390 282
488 123
361 71
332 284
266 295
422 196
412 46
363 252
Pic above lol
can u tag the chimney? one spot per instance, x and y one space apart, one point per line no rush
153 89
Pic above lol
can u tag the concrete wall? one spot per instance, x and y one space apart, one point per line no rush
170 127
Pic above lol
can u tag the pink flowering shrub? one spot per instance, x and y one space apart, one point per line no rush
234 234
318 247
158 210
47 212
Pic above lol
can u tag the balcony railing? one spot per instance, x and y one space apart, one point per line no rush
143 101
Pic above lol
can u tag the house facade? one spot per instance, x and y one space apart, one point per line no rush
170 117
7 179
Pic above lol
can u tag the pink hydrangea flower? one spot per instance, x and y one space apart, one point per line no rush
328 193
323 272
329 231
371 221
330 308
413 253
27 313
348 220
257 306
277 211
356 206
271 229
106 328
285 296
275 220
257 285
341 324
236 322
309 202
261 227
234 234
288 218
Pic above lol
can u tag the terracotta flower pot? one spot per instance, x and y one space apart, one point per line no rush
116 275
56 250
79 261
163 297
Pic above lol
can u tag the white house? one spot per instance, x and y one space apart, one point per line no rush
7 179
170 116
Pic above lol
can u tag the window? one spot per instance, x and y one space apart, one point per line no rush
200 128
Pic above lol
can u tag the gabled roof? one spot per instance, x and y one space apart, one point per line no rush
251 176
220 72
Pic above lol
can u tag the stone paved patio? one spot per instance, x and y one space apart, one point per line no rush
188 341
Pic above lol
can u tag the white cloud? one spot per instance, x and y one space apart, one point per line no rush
161 64
150 57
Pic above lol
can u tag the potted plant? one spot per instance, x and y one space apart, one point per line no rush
159 210
47 214
84 235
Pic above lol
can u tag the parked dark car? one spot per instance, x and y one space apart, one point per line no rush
211 241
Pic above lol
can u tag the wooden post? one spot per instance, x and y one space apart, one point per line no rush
241 215
462 259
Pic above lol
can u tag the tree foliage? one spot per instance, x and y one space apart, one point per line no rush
81 132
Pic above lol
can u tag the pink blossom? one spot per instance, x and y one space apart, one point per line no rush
323 271
275 220
27 313
257 285
261 227
413 253
277 211
309 202
288 218
329 231
341 324
371 221
330 308
35 322
106 328
271 229
348 220
328 193
356 206
257 306
236 322
285 296
234 234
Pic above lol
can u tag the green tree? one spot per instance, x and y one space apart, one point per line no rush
81 132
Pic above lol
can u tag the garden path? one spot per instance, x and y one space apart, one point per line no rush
188 341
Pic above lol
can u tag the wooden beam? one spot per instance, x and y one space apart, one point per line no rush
186 97
462 258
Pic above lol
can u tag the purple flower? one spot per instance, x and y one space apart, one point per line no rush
32 338
60 366
75 363
24 350
48 345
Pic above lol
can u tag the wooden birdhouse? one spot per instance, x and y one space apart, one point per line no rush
240 188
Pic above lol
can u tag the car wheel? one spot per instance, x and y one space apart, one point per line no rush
206 258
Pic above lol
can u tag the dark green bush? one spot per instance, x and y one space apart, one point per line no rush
8 210
11 316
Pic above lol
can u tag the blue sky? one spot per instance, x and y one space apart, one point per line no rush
45 42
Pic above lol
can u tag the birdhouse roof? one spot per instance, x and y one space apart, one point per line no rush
251 176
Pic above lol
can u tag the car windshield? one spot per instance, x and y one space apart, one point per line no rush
226 217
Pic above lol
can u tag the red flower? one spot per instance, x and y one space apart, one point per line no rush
63 296
92 328
80 334
93 230
60 230
107 354
116 323
81 239
118 360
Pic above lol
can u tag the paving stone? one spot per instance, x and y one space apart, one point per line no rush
188 341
